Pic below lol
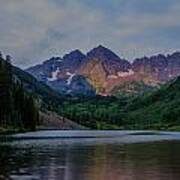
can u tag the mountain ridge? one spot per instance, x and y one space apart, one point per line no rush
103 70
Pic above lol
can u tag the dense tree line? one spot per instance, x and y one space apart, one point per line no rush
156 110
96 113
17 108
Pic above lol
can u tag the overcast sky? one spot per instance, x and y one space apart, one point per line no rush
34 30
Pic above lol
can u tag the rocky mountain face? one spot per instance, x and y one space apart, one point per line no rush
61 74
101 71
100 66
158 68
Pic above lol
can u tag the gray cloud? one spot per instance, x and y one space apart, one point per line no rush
32 31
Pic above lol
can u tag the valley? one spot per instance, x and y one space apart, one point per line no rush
101 91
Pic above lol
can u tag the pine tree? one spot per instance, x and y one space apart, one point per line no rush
17 108
1 56
5 92
30 116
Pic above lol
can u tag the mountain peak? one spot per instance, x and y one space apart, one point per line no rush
175 54
52 60
74 54
102 53
101 47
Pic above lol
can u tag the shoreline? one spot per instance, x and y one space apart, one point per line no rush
11 131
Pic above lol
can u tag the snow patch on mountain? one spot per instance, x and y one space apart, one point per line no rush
125 74
112 77
54 75
59 60
71 75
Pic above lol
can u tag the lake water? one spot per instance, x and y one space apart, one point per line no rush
91 155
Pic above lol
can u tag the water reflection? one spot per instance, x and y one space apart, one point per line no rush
154 161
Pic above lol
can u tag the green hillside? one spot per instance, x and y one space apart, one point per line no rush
38 89
18 110
159 109
133 88
22 97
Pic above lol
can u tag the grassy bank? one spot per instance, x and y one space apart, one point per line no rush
10 130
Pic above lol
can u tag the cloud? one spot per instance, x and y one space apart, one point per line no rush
32 31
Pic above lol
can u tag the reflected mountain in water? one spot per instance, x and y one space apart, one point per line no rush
87 159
